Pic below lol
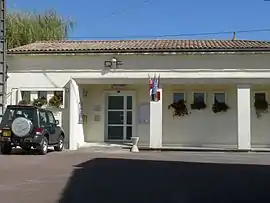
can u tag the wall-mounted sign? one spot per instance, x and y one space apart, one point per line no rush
114 63
118 86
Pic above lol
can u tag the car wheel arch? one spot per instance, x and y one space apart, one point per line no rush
47 136
62 134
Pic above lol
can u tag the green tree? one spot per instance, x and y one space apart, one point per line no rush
27 27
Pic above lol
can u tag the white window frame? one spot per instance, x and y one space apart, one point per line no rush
205 95
180 92
37 89
218 92
261 91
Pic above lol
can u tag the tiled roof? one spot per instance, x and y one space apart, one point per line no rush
136 46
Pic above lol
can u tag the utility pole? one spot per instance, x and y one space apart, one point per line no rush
3 53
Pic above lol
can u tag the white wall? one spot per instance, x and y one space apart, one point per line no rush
260 127
139 62
95 130
55 72
200 128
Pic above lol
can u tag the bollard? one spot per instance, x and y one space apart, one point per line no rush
135 141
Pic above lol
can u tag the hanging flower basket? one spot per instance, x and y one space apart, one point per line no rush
39 102
179 107
219 107
198 105
261 106
55 101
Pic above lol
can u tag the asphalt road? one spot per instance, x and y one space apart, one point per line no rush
122 177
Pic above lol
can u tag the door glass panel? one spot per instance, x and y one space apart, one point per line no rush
115 132
129 132
129 102
115 102
129 117
116 117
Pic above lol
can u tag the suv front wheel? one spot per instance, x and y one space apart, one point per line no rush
6 148
60 146
43 148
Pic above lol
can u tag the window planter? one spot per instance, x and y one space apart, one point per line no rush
198 105
260 104
219 107
55 102
219 102
179 107
23 102
39 102
261 107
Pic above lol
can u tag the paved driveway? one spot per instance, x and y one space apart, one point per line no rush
122 177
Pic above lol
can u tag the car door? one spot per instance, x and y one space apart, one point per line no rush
53 127
44 122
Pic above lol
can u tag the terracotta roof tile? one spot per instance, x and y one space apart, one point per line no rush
114 46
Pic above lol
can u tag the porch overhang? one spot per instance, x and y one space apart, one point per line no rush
164 81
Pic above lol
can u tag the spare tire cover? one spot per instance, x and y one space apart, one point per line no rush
21 126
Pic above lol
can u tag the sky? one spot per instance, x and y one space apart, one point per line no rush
135 19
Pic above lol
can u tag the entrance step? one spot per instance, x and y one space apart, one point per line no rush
104 147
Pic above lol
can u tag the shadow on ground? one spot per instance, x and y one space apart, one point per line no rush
19 151
143 181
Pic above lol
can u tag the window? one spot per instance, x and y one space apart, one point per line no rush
42 95
11 114
60 95
51 118
219 97
26 96
178 97
198 97
43 117
30 94
260 96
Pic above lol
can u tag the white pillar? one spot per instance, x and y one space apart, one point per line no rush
76 135
156 123
19 96
12 96
243 116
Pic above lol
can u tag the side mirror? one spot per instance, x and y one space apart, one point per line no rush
57 122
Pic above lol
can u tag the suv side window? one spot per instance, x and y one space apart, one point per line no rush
51 118
43 118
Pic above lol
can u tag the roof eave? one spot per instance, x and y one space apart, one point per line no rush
138 51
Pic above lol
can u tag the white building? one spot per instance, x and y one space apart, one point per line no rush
110 81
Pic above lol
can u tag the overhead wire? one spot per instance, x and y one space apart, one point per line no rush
125 9
173 35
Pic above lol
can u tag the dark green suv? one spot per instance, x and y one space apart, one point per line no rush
30 126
